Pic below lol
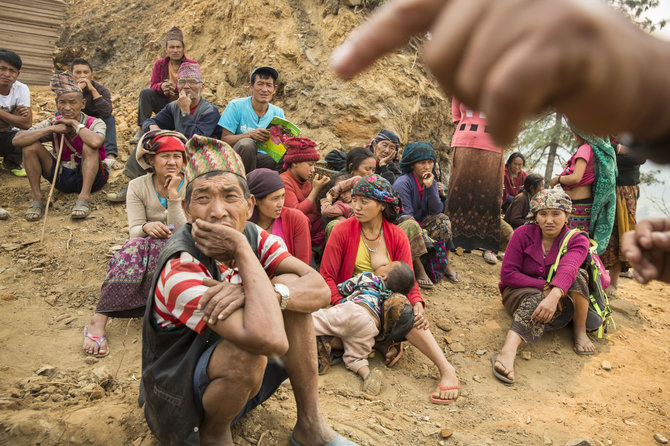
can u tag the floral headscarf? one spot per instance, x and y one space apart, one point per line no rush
379 189
548 199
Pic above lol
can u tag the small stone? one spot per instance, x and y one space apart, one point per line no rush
444 326
102 376
525 355
69 320
446 433
456 347
477 378
94 391
459 251
606 365
90 360
441 443
598 372
630 423
660 439
528 420
480 352
448 340
580 442
661 412
547 440
46 370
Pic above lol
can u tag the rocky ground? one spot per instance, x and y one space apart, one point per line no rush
51 393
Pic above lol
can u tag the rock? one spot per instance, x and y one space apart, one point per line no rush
580 442
46 370
630 423
606 365
547 440
448 340
456 347
525 355
660 439
528 420
102 376
94 391
459 251
444 326
480 352
477 378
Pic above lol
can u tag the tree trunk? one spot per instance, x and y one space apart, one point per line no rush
553 146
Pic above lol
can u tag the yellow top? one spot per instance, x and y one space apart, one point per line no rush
363 260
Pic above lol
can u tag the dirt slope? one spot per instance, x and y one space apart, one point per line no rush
48 291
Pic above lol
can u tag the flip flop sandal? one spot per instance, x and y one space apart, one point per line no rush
440 401
454 278
582 352
80 206
35 211
426 284
501 377
372 384
98 340
398 355
489 257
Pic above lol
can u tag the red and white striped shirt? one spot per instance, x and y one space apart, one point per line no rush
180 287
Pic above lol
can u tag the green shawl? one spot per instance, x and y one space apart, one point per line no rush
604 188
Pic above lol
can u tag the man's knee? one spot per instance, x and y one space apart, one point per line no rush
146 94
33 149
89 152
231 364
245 146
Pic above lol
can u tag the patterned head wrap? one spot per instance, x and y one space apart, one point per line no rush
211 155
299 150
174 33
385 135
155 141
548 199
189 70
415 152
64 83
379 189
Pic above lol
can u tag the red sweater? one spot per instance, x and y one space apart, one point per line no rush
339 256
295 225
296 197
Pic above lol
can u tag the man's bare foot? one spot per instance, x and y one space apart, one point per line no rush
583 345
95 341
315 433
447 388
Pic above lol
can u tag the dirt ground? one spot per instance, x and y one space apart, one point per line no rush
50 393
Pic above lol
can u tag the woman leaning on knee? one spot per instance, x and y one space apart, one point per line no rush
536 305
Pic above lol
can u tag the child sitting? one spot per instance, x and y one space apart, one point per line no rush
356 319
336 205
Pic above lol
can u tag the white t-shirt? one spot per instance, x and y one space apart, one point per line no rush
19 94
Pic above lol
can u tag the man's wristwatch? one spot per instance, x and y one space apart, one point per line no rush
283 291
79 127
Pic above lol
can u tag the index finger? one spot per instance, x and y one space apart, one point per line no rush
389 28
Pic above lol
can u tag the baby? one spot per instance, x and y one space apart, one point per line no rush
336 205
356 319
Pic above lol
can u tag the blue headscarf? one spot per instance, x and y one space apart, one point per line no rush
415 152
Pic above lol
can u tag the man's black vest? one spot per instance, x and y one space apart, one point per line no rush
169 356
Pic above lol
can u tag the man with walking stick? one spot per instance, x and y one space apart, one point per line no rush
80 169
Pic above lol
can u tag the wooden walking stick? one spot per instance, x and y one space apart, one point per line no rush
53 183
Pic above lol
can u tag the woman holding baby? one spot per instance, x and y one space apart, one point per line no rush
367 241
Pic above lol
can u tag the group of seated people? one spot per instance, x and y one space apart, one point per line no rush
208 213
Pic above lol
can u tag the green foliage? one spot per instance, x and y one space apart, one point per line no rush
636 10
651 177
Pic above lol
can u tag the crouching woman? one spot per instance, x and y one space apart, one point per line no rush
538 305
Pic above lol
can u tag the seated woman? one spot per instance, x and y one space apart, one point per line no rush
513 179
593 198
289 224
154 211
360 162
536 305
302 185
519 207
385 147
368 239
419 194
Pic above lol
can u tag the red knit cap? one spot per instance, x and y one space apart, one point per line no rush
299 150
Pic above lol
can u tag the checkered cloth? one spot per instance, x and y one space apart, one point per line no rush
209 155
64 83
189 70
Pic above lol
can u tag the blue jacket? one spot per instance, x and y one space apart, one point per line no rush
418 207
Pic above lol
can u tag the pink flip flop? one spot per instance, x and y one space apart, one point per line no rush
440 401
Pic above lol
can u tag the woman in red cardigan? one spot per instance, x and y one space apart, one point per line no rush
366 240
289 224
302 185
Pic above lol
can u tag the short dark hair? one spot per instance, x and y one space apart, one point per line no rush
532 181
80 62
513 156
356 156
11 58
400 279
263 74
215 173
